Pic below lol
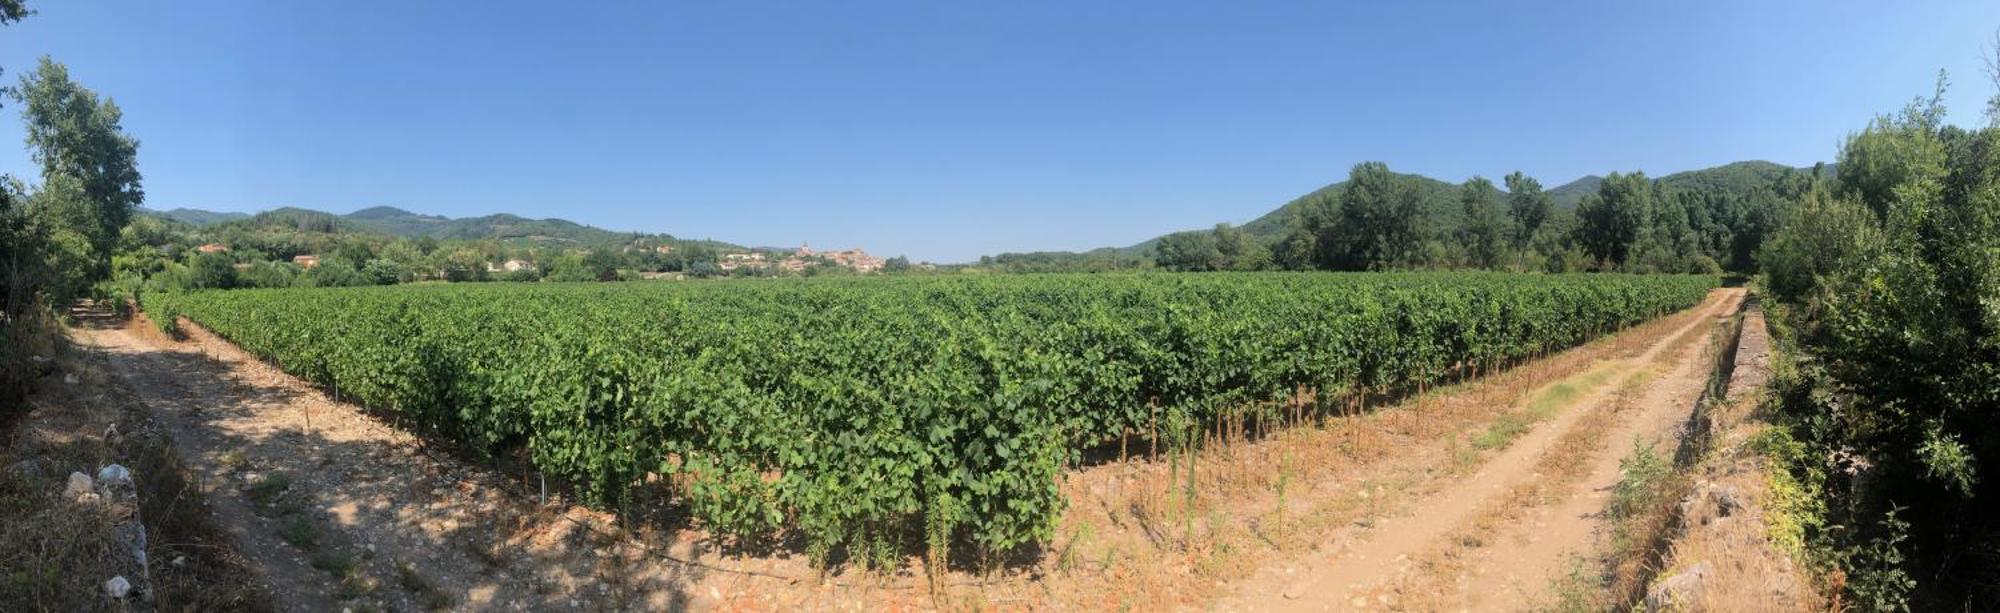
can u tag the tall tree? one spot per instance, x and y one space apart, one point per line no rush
1381 220
1528 205
1187 251
1238 249
1484 232
73 134
1609 220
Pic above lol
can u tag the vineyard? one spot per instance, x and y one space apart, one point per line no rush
869 414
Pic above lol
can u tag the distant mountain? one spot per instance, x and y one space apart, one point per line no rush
196 217
1735 177
398 222
391 220
1439 195
1567 195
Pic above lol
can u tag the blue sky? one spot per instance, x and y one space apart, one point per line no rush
947 130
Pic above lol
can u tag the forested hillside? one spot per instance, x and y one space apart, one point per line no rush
1707 220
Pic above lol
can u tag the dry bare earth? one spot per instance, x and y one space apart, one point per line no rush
1495 537
366 516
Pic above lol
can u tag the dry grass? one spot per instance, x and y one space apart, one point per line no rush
57 553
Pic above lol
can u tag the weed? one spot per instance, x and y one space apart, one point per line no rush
427 594
300 532
268 489
1576 591
1644 472
233 460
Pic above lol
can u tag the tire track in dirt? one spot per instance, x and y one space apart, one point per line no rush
1517 568
1331 581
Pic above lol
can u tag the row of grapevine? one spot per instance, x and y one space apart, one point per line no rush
858 411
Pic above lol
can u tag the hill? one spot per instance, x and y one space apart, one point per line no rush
1735 177
195 217
1567 195
393 221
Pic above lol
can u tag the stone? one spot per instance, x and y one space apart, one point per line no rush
1727 500
117 587
1672 593
69 378
78 487
114 476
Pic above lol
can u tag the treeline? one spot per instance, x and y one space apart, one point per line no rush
1381 220
157 254
1885 291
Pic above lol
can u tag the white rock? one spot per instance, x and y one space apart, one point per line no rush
117 587
78 487
113 475
69 378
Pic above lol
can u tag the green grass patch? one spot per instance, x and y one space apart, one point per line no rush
266 490
1541 406
300 532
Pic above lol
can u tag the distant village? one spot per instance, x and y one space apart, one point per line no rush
520 265
802 258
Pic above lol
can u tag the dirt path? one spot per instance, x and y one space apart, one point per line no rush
1517 570
1358 573
336 509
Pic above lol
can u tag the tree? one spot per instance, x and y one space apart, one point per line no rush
382 271
1238 250
1887 288
1609 220
211 271
73 134
1528 205
571 268
1187 251
896 264
1893 152
1381 222
1484 233
1311 235
12 11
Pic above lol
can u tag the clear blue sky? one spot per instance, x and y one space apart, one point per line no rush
946 130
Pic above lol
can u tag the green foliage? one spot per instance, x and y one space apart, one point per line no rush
82 149
1484 233
1642 475
1224 248
1381 222
1610 220
1829 235
1888 287
852 410
211 271
1528 206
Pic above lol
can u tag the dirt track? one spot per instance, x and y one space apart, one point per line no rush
1396 565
